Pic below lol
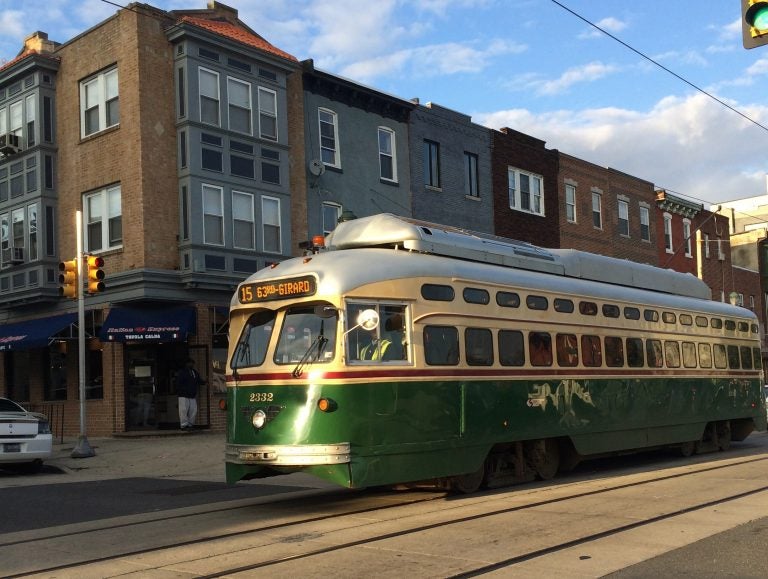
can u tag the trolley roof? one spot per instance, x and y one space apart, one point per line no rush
386 230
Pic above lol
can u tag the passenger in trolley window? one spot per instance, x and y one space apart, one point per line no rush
540 344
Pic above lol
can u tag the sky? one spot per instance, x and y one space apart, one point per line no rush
672 98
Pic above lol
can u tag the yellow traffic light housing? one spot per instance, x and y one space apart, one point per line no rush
754 22
68 279
95 276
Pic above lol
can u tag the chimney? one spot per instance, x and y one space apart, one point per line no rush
38 41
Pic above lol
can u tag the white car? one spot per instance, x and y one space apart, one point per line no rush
25 438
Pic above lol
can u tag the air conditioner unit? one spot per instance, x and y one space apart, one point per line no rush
10 144
17 256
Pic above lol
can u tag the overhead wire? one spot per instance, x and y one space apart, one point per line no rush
661 66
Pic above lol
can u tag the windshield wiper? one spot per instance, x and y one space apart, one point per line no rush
319 344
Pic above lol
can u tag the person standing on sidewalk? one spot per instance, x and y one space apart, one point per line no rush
187 382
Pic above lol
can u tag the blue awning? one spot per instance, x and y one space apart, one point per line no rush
33 333
148 325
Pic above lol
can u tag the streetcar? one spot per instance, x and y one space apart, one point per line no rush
401 352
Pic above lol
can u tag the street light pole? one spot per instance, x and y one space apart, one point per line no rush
83 449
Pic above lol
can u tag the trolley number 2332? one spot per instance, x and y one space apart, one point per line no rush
261 397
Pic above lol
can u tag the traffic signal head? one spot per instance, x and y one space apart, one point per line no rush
754 22
95 277
68 279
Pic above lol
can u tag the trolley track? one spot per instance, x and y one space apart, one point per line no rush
275 562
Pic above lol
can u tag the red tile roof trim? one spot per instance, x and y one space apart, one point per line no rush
238 34
24 55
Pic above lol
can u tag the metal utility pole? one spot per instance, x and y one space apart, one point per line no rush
83 449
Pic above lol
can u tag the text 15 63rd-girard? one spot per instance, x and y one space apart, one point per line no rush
277 290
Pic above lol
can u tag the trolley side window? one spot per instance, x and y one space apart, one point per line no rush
635 358
756 356
441 345
653 353
567 349
705 355
511 348
721 357
614 352
591 351
746 357
733 358
388 341
689 354
672 353
540 348
251 348
478 346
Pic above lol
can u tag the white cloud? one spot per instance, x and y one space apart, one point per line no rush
433 60
589 72
687 144
610 24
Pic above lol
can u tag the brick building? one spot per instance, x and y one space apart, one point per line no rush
525 188
169 131
606 211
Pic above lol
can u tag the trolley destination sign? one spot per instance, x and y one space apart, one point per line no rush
295 287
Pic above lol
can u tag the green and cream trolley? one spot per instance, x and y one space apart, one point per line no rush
407 351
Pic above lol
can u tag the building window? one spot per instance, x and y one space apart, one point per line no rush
720 254
471 179
32 253
103 219
597 210
99 103
526 191
213 215
5 242
432 164
270 223
687 237
668 233
239 97
329 137
645 224
268 114
331 215
209 96
387 159
184 213
182 94
706 245
243 224
623 218
31 112
570 203
18 233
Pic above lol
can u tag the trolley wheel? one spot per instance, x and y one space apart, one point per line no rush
724 435
688 448
544 458
470 482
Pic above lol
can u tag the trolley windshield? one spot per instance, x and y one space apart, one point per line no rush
251 348
307 335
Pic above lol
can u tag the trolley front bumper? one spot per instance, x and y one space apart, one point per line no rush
289 455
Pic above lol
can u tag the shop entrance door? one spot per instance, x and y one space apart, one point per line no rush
141 390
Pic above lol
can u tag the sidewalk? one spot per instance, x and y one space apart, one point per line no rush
166 454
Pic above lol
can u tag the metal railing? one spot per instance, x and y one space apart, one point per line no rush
55 415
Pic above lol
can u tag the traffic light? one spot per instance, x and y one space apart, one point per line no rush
95 277
754 22
68 279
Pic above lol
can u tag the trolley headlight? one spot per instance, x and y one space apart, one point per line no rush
259 419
